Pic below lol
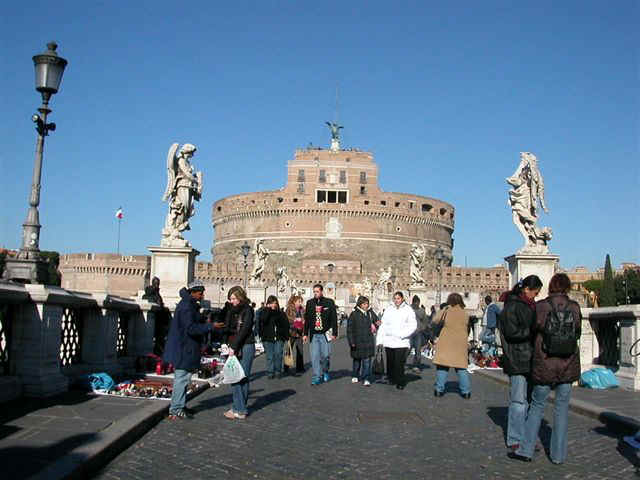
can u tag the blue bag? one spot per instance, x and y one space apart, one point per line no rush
100 381
599 379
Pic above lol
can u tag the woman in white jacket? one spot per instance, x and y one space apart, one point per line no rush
398 324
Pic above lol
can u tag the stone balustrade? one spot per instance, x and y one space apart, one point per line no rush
608 334
50 336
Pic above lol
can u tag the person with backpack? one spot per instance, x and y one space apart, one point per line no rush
556 365
515 323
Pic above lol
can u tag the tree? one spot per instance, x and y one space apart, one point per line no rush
632 287
53 261
608 292
593 285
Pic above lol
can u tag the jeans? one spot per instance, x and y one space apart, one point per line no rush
240 390
319 356
558 450
362 368
181 380
518 407
274 351
417 341
395 365
464 380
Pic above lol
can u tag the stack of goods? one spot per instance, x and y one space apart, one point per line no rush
209 366
151 363
482 360
146 389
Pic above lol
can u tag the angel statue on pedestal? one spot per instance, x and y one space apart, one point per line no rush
184 186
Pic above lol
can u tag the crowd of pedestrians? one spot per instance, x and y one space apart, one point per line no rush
539 342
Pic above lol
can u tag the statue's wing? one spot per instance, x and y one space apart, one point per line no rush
171 171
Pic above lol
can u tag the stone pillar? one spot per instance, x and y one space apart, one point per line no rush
142 324
522 265
99 340
629 372
175 267
589 348
36 344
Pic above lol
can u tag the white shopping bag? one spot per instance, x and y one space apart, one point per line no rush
232 371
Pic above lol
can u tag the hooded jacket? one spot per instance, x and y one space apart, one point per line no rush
185 334
516 331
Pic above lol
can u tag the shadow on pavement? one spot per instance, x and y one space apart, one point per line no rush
624 449
24 462
273 397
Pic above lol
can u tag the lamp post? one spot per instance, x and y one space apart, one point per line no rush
29 267
245 253
220 290
439 256
626 287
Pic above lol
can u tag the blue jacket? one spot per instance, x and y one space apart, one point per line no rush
185 334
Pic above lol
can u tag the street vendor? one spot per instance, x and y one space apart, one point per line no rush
183 346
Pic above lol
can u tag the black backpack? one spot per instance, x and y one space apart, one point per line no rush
559 335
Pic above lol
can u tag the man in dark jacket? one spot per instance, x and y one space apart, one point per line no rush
417 340
319 317
183 346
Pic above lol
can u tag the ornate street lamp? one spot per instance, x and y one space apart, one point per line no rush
439 256
29 267
245 253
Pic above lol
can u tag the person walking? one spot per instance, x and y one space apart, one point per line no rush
295 315
452 345
186 334
397 325
418 338
361 328
274 331
555 366
320 328
515 324
239 329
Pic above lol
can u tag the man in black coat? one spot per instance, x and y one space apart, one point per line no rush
183 346
319 317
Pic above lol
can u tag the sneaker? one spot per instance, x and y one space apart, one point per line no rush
367 383
326 377
230 415
316 382
239 416
181 415
354 379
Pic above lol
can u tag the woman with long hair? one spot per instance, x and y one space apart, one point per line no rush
452 345
274 331
295 315
555 366
239 332
515 324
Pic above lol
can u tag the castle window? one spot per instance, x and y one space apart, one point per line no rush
342 197
295 200
219 209
280 199
366 202
343 176
426 207
363 190
411 203
321 196
301 175
397 204
363 177
322 176
301 188
383 203
443 211
332 196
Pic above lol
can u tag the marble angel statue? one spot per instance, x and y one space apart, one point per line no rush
184 187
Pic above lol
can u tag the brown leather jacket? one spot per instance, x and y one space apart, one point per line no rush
552 370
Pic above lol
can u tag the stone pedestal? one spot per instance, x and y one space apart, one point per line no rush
542 265
175 267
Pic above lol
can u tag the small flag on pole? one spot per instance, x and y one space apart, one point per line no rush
119 214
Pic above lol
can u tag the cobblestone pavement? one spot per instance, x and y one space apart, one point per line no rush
344 430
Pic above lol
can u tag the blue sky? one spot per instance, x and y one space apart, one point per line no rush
445 94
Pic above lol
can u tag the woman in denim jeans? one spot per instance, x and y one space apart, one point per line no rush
516 331
549 372
360 333
239 328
